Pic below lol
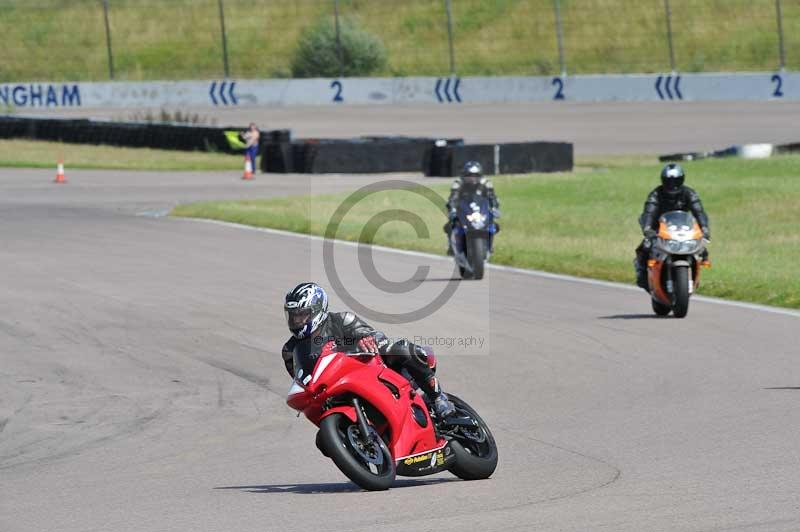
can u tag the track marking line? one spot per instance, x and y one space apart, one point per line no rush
154 214
499 267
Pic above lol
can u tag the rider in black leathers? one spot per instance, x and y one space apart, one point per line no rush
308 318
672 195
471 183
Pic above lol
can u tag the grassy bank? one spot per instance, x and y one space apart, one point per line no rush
585 223
39 154
180 39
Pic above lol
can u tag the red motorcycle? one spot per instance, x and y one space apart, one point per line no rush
374 423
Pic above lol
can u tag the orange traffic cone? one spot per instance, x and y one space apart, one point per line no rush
248 167
60 178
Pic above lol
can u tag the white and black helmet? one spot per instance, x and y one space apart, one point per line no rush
672 177
472 173
472 168
306 307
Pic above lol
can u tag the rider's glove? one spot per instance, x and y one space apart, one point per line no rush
368 345
649 233
496 213
706 233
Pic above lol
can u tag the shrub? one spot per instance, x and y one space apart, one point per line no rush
317 54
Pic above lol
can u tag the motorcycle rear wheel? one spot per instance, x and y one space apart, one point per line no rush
474 460
351 461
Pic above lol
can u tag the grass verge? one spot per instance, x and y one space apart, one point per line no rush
585 223
41 154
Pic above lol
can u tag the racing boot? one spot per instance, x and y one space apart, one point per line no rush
641 274
443 406
447 228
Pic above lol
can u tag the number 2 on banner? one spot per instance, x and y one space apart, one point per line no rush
338 96
778 81
558 82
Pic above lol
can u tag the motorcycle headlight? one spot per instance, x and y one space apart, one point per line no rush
679 246
673 246
477 219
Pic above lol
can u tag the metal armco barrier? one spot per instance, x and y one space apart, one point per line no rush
666 86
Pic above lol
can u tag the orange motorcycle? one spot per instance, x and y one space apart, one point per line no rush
676 257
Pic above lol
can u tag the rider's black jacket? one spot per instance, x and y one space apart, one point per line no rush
344 328
483 188
659 202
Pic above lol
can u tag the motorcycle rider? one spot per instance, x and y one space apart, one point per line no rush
672 195
306 309
470 183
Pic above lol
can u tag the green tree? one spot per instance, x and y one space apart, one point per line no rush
317 53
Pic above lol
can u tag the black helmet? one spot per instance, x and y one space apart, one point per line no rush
306 307
472 173
672 177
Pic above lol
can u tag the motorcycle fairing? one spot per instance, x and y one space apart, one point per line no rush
343 376
425 463
656 269
467 225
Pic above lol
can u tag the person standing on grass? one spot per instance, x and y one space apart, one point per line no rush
251 138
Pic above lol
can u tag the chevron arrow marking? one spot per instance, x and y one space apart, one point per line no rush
222 93
232 96
211 92
658 87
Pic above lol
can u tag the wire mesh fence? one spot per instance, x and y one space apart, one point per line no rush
707 42
201 39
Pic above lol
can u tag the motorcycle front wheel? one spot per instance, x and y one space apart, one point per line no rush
660 308
368 464
476 254
680 306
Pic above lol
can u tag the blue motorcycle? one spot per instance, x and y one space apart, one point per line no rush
472 236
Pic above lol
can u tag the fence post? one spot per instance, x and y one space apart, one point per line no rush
338 38
781 48
560 37
449 9
224 39
669 36
108 41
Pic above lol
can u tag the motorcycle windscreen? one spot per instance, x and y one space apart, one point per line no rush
474 212
306 354
678 221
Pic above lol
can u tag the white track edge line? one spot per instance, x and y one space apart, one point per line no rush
499 267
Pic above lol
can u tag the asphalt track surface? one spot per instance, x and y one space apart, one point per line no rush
141 386
594 128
